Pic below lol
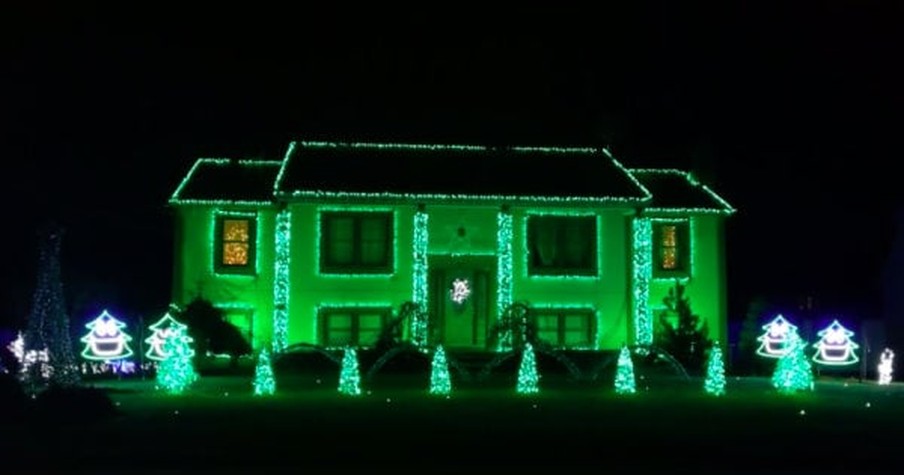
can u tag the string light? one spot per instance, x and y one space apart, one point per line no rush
349 377
793 372
281 287
419 330
440 380
176 198
161 331
642 266
176 373
264 382
715 372
835 347
504 236
106 339
624 373
775 342
722 208
528 377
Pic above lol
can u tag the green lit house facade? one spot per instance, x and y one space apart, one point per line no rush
326 245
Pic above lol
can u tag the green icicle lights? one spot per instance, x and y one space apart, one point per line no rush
440 381
715 372
176 373
793 372
527 373
624 373
264 382
349 378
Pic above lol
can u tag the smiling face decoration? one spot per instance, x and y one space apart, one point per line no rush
775 343
106 340
164 329
835 347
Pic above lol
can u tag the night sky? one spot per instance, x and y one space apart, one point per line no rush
791 111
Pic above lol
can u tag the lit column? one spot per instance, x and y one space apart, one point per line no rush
281 281
504 235
642 246
419 330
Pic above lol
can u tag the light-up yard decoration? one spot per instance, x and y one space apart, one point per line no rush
176 373
106 339
715 372
349 376
774 343
440 380
460 291
32 357
835 346
886 360
264 382
793 372
160 333
528 377
624 373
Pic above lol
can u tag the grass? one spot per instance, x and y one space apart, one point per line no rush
673 425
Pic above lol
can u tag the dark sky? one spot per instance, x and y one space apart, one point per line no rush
791 110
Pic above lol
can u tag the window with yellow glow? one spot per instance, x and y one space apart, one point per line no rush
672 249
235 244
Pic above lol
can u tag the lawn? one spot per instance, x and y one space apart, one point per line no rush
843 425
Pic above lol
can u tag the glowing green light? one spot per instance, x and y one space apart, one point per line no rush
419 329
264 382
106 339
724 207
281 281
528 376
176 373
624 373
350 377
440 380
504 236
793 372
715 372
642 264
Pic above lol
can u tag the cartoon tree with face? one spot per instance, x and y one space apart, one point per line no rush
775 342
106 340
164 329
835 346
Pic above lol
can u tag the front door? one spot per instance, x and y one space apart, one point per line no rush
460 301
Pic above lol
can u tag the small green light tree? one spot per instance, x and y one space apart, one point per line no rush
527 373
624 373
264 382
715 372
793 372
349 377
440 381
176 373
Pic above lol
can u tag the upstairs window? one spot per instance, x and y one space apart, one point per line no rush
235 242
562 245
356 243
672 253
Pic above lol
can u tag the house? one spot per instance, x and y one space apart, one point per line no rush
326 245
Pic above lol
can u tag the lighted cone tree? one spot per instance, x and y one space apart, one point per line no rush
264 382
624 373
440 380
48 323
176 373
527 373
793 372
349 377
715 372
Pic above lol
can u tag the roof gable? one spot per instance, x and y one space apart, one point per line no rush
678 191
221 180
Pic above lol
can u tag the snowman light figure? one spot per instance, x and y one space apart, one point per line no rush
885 366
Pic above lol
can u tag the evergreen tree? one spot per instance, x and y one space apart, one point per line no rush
747 340
527 373
177 372
793 372
715 372
349 377
48 323
686 340
624 373
264 382
440 381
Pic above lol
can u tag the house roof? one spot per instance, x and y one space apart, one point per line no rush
221 180
678 191
442 171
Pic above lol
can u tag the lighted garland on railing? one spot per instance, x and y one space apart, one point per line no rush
419 285
643 271
281 281
504 237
